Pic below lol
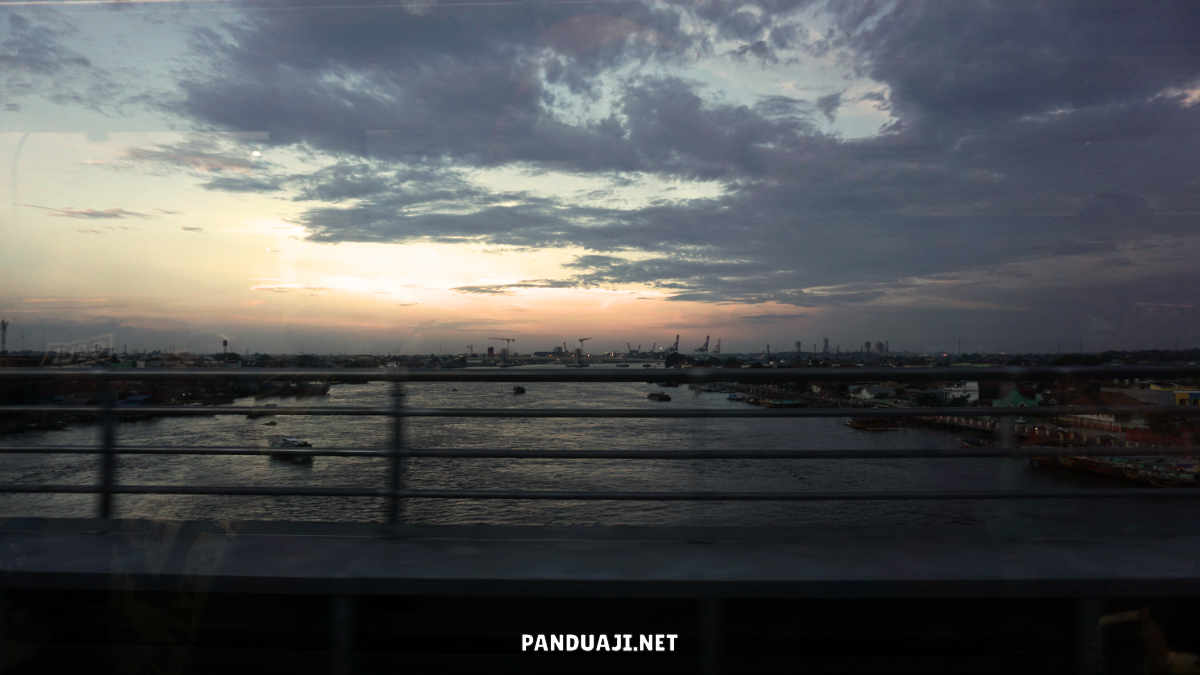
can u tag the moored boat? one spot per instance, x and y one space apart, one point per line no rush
286 444
872 424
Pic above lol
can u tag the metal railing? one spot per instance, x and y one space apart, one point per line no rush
398 453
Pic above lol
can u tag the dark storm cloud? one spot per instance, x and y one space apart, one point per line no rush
782 106
1020 130
678 134
966 62
737 20
91 214
506 289
37 59
36 48
242 184
773 316
207 155
829 104
758 49
447 82
532 222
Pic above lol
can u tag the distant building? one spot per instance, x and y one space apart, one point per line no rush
1016 399
963 390
872 391
1187 397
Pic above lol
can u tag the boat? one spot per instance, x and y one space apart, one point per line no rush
736 396
518 389
286 444
270 423
872 424
666 384
658 396
312 388
256 415
785 403
972 443
622 365
647 365
1154 471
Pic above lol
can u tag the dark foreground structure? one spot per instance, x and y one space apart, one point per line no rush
99 594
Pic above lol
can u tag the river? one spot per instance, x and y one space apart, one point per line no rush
1056 517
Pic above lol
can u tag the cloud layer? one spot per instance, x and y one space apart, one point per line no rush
1014 135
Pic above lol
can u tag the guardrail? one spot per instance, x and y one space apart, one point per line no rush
398 452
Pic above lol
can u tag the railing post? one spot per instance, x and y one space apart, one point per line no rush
1089 648
341 627
710 635
1008 435
398 462
108 460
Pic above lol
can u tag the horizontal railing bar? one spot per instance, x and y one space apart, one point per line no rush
599 374
647 412
509 453
568 495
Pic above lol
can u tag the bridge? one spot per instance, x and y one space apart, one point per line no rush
111 594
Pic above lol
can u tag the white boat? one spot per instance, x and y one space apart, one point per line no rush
286 444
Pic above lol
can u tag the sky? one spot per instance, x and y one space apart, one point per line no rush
411 177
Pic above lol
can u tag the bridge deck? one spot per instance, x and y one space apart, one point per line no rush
308 558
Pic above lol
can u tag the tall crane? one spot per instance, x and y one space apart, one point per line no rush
717 349
675 347
3 336
507 342
629 348
470 350
579 352
703 347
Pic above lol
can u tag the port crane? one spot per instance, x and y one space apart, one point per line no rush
507 342
675 347
717 349
470 350
704 347
579 352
